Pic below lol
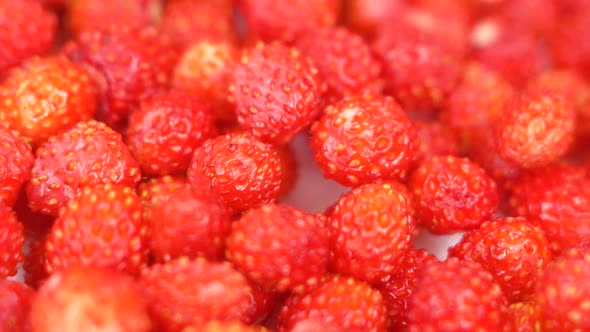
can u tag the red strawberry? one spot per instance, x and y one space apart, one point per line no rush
45 97
103 227
277 91
243 171
511 249
88 154
15 306
363 138
198 229
27 30
457 296
16 160
524 317
371 230
166 129
453 194
184 292
280 247
434 139
11 242
156 191
341 302
89 299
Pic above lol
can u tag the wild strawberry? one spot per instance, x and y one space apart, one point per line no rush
343 59
86 15
434 139
243 171
156 191
166 129
363 138
562 293
189 21
103 227
270 20
184 292
456 296
280 247
128 65
557 199
367 16
34 264
198 229
11 242
511 249
16 159
45 97
277 92
338 301
453 194
89 299
218 326
27 30
535 129
371 230
397 288
566 34
524 317
88 154
205 70
15 306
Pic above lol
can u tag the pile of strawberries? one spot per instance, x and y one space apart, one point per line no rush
146 155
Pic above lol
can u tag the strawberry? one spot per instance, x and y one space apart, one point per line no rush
184 292
277 92
27 30
198 229
341 302
434 139
113 56
45 97
89 299
511 249
166 129
524 317
371 230
11 242
243 171
103 227
453 194
343 59
89 153
363 138
280 247
16 159
456 296
218 326
155 191
15 306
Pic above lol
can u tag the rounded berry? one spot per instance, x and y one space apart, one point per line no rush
16 160
12 240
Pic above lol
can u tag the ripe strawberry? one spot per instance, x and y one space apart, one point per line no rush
367 16
271 20
343 59
513 250
205 70
89 153
453 194
243 171
198 229
456 296
562 293
557 199
280 247
16 160
103 227
15 306
363 138
535 129
371 230
114 56
89 299
434 139
45 97
156 191
524 317
184 292
11 242
276 91
27 30
166 129
341 302
219 326
398 288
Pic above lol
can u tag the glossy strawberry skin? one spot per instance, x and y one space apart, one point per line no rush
363 138
89 153
16 160
15 306
12 240
277 92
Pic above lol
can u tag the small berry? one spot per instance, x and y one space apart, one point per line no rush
15 306
11 242
16 160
